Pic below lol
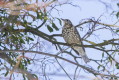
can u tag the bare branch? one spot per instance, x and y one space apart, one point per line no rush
96 22
55 56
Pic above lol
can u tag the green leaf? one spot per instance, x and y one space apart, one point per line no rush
21 66
25 23
4 34
117 15
24 77
28 61
45 18
39 15
99 67
60 21
25 63
22 41
6 73
118 4
115 78
117 30
30 38
117 65
49 28
54 26
102 54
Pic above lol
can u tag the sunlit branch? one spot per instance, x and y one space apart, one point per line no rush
15 7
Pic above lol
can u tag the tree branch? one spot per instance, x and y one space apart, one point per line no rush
41 24
97 22
15 7
52 40
61 58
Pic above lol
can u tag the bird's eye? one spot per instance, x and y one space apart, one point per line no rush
67 21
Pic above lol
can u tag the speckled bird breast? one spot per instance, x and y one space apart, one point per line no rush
71 35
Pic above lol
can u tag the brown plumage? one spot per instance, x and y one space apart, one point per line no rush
71 36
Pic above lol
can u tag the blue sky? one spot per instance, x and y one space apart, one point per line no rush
87 9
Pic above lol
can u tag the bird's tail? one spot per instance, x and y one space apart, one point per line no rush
85 58
80 51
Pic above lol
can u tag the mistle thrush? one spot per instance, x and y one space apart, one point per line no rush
71 36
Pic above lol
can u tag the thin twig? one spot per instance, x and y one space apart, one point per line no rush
63 69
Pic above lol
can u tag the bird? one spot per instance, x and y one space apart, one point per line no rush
71 36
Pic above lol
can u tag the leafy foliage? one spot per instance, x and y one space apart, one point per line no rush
15 35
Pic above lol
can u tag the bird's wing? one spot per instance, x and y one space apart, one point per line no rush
80 40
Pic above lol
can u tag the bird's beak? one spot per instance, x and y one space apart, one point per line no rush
62 19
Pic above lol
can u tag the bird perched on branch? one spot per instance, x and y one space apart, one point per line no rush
71 36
